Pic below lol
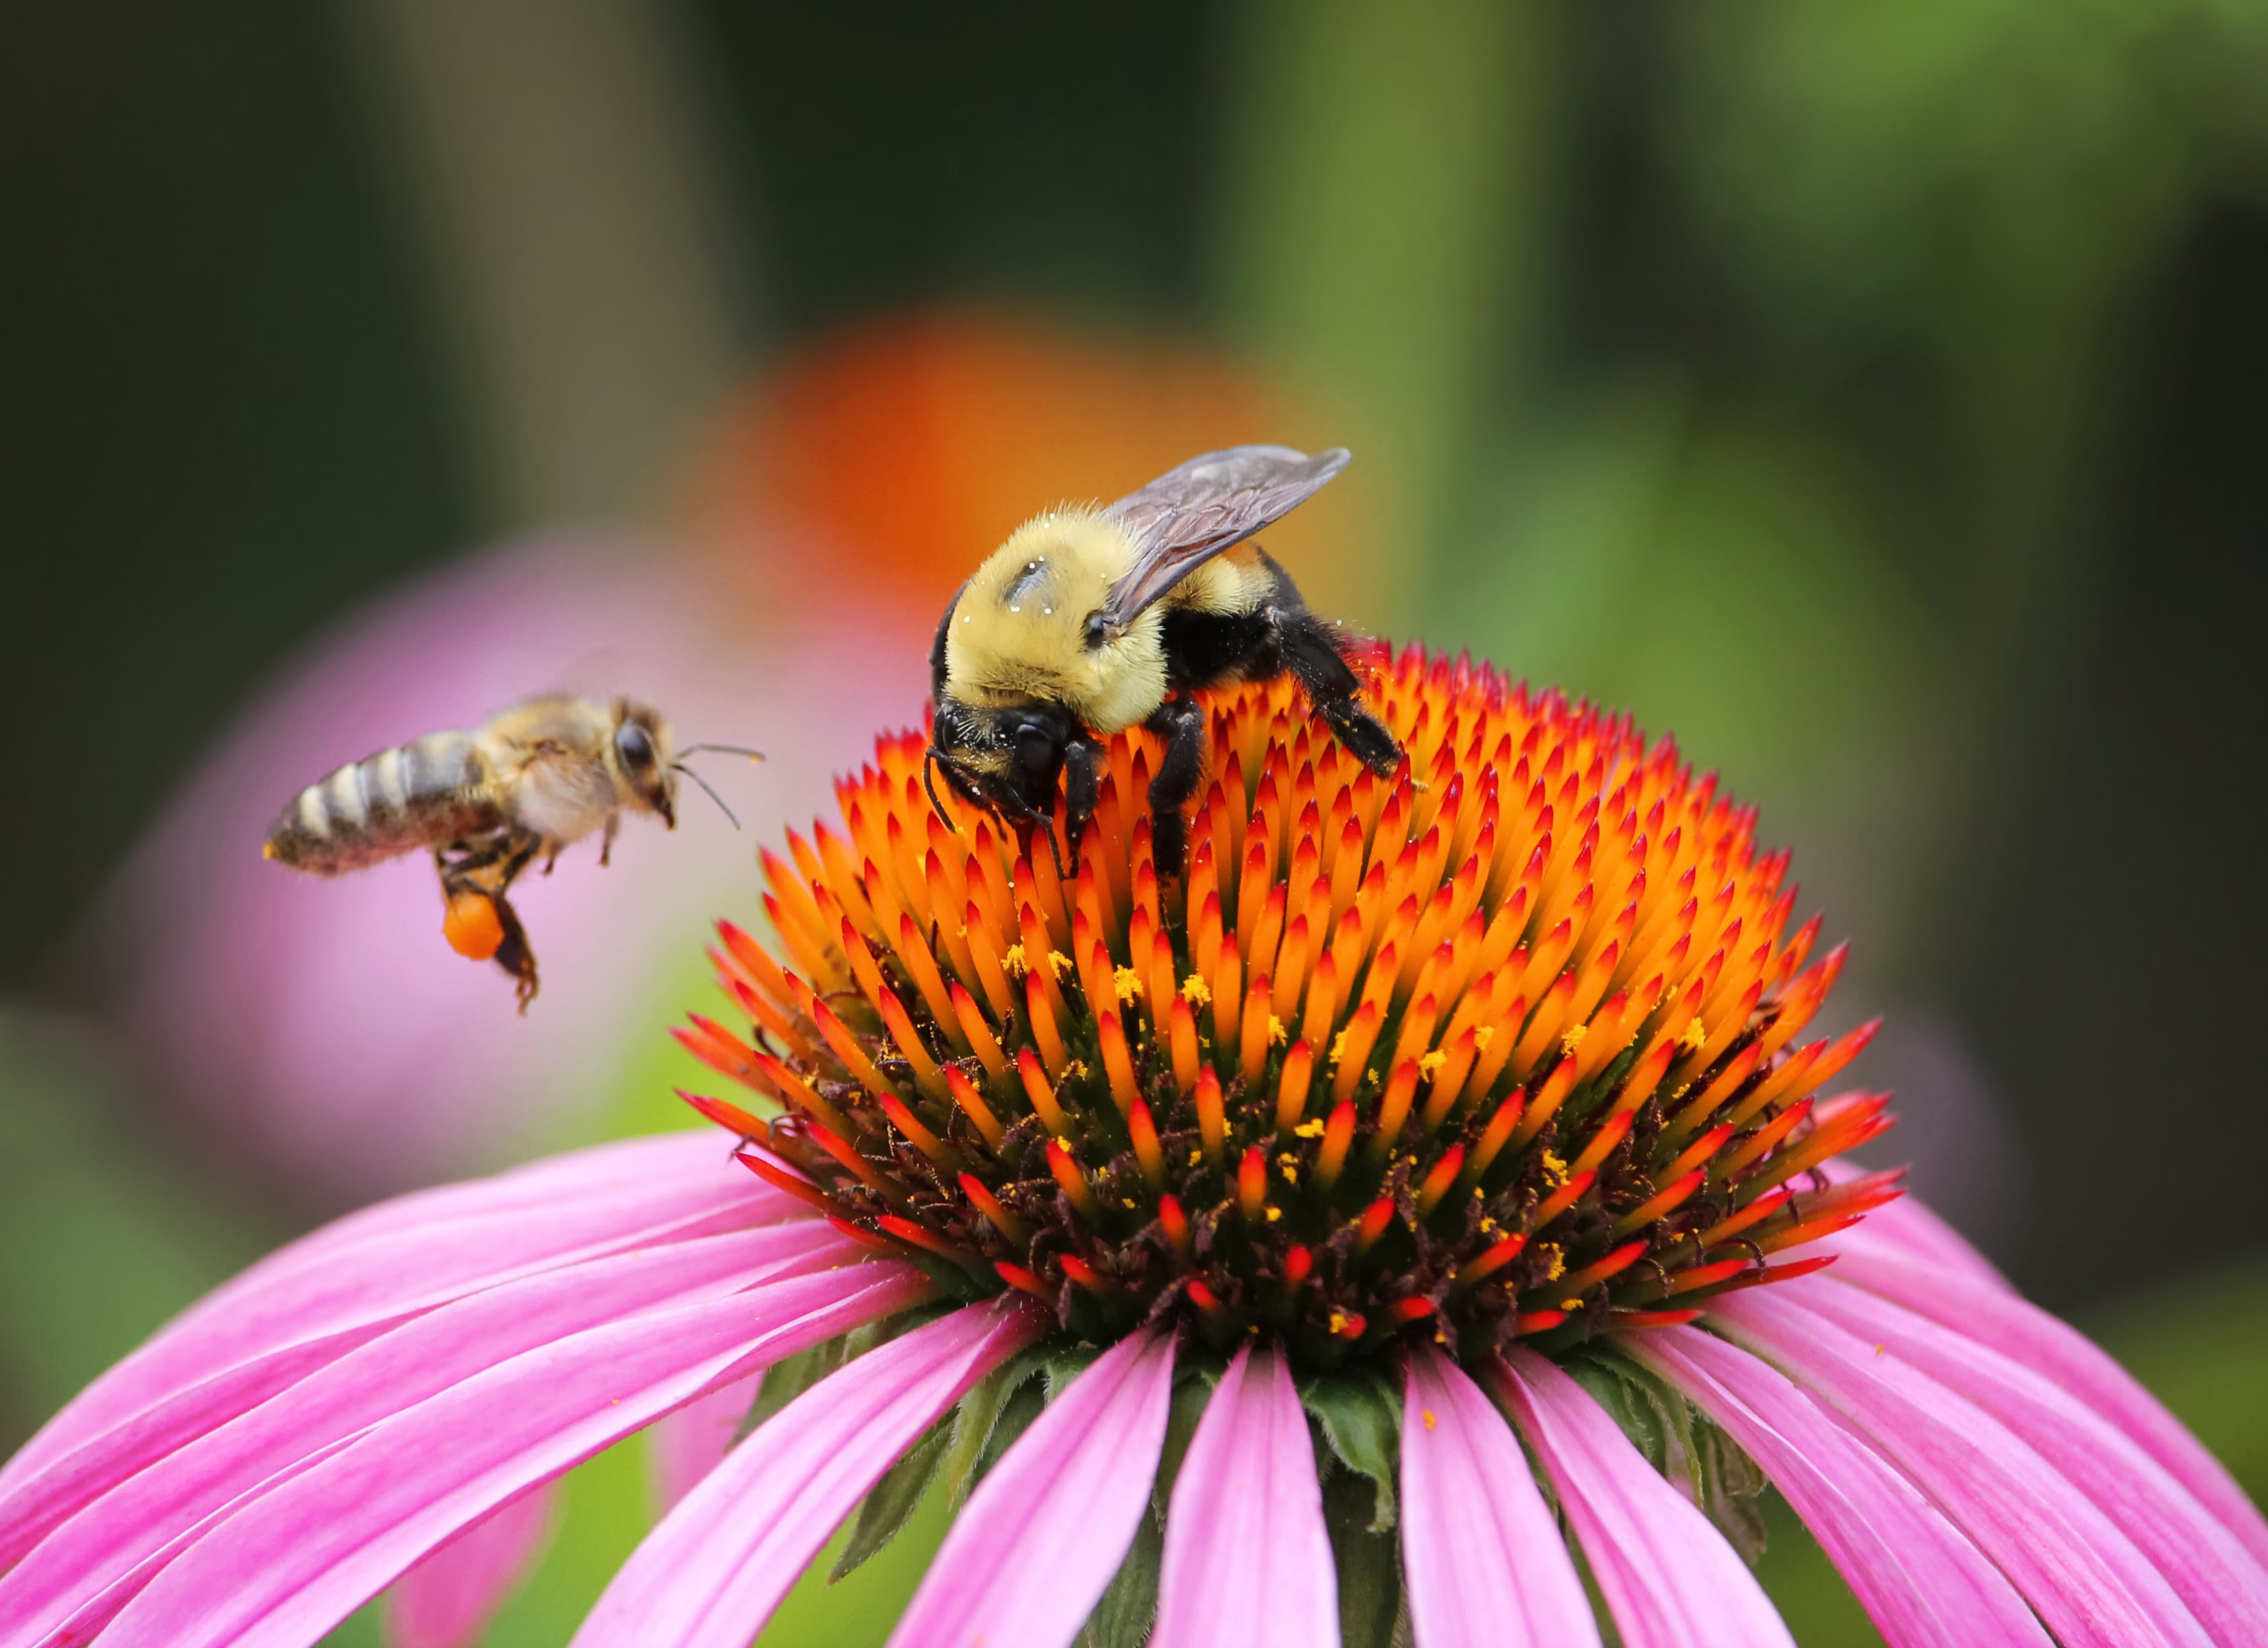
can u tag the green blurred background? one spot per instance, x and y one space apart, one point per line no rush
1875 396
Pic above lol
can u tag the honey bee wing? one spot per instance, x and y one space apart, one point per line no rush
1212 503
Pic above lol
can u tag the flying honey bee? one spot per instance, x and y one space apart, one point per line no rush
536 779
1089 621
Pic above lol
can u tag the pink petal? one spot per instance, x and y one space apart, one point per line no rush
1248 1561
447 1600
1481 1552
1668 1577
710 1575
1918 1577
2058 1351
329 1293
684 1446
1040 1539
291 1565
113 1547
2207 1567
2083 1577
171 1424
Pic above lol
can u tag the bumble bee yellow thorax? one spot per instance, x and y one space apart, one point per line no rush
1020 629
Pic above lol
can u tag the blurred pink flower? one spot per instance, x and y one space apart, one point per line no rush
326 1026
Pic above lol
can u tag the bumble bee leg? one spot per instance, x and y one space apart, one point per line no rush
607 841
1082 777
1311 653
1181 722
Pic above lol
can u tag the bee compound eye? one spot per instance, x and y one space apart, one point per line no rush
1096 631
635 746
1035 747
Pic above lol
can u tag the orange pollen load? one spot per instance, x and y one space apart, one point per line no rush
1502 1047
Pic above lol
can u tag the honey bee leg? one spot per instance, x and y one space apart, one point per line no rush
1181 722
1310 652
514 955
1082 767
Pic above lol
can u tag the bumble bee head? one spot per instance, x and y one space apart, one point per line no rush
641 753
1005 759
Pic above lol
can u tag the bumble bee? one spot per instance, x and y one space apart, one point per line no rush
539 777
1088 622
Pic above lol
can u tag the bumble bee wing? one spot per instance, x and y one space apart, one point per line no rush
1212 503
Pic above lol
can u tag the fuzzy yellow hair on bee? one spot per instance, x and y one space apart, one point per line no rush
1090 621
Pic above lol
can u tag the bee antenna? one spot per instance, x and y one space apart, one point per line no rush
724 749
706 786
931 759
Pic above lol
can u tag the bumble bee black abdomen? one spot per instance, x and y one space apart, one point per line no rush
423 794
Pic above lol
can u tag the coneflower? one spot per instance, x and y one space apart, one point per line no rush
1432 1184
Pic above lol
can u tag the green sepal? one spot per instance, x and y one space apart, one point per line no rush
1122 1618
1023 1405
786 1380
1359 1414
974 1420
1679 1440
893 1500
1368 1562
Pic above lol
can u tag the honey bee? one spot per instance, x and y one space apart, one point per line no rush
536 779
1089 621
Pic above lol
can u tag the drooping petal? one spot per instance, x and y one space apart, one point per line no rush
2083 1577
2058 1351
112 1547
322 1296
1036 1545
1919 1578
711 1574
684 1446
447 1601
1481 1552
1668 1577
291 1565
2208 1569
1248 1561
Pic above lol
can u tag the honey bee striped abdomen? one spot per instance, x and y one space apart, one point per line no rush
420 794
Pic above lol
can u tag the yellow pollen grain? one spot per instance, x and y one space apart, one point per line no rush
1488 1227
1571 1304
1065 1143
1431 1062
1554 1168
1275 1030
1127 983
1196 1156
1558 1266
1127 1202
1695 1037
1073 1071
1290 1164
1013 963
1482 1034
1683 1089
1573 1038
1428 1412
1059 961
961 931
1338 1045
1195 991
1309 1129
1275 1213
1338 1320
